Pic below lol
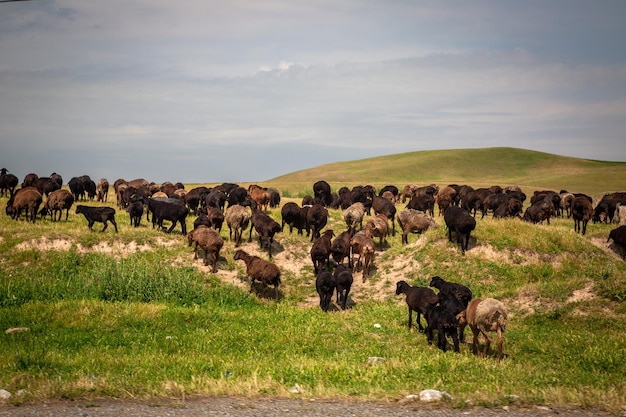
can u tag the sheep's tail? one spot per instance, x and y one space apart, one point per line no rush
500 317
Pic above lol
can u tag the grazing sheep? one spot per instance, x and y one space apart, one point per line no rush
168 209
582 212
340 248
58 201
202 220
265 228
423 202
353 216
442 317
325 286
538 212
414 221
619 238
45 185
389 192
445 198
362 245
417 299
236 196
136 208
483 316
378 227
461 223
216 217
260 196
383 206
28 199
458 292
343 283
260 270
511 208
321 250
210 241
98 214
237 218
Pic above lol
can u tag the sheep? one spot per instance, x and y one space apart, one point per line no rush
168 209
378 227
383 206
236 196
461 223
343 283
194 196
210 241
582 212
414 221
621 215
216 217
417 299
202 220
442 317
136 208
325 286
45 185
294 216
8 182
98 214
445 198
459 292
619 238
260 270
538 212
321 192
511 208
424 202
102 190
237 218
389 192
58 201
215 198
260 195
265 228
28 199
605 210
317 217
321 249
340 247
485 315
353 216
362 245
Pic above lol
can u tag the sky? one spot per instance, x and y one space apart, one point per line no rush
245 91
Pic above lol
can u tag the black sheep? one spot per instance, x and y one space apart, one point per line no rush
383 206
461 223
317 217
168 209
343 283
340 247
458 292
321 250
619 238
294 216
325 286
264 226
98 214
417 299
442 317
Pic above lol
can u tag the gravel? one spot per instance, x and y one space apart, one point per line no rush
245 407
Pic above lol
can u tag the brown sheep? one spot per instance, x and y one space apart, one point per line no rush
414 221
237 218
362 245
260 195
58 201
582 212
417 299
27 199
260 270
483 316
321 250
102 190
210 241
378 227
445 198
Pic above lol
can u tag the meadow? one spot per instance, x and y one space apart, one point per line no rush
131 315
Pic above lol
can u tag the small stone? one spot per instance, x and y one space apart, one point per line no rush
17 330
430 395
377 325
374 359
4 394
296 389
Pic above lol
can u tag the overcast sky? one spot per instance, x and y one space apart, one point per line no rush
239 90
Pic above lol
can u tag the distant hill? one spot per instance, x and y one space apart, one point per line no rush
477 167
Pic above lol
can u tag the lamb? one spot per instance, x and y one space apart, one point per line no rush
28 199
136 208
321 250
362 245
210 241
378 227
259 270
461 223
442 317
340 248
383 206
58 201
353 216
619 238
168 209
317 217
343 283
237 218
325 286
98 214
582 212
414 221
102 190
485 315
417 299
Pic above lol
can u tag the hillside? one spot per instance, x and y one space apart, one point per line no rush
478 167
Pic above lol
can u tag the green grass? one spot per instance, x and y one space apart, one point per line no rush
108 319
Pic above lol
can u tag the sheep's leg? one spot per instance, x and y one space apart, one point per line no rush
499 343
455 340
475 341
411 317
487 344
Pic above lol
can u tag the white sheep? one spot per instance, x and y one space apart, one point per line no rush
484 315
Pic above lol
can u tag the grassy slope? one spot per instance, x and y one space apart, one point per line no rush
151 323
478 167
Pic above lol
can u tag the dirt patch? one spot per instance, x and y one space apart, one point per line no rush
117 249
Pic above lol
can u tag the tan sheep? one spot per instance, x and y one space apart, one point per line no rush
210 241
483 316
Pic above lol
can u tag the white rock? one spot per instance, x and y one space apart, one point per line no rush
377 325
374 359
430 395
4 394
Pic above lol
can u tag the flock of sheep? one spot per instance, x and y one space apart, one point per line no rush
335 258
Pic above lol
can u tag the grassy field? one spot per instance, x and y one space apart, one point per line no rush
132 315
